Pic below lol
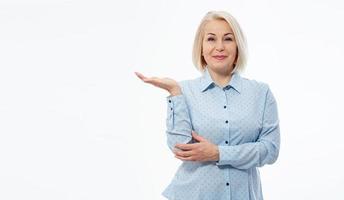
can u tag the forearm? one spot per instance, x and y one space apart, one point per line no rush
249 155
178 123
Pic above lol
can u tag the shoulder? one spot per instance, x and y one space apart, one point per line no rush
261 90
256 86
190 85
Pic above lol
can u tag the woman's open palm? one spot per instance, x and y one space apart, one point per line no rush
167 84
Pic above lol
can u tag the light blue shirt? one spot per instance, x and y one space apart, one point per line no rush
242 119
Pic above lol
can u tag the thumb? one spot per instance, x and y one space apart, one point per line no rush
198 137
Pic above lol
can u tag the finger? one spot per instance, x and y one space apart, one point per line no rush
141 76
150 81
184 153
185 158
185 146
153 81
198 137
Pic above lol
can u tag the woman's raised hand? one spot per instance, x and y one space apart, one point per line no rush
167 84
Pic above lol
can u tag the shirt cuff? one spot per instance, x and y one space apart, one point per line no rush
223 150
172 101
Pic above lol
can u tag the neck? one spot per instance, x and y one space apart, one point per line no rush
221 78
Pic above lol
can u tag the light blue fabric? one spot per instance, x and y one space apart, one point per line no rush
242 119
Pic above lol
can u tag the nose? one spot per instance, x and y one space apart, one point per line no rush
219 46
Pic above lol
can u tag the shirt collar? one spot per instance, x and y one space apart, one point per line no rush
207 82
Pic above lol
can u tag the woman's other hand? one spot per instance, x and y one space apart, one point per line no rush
167 84
202 151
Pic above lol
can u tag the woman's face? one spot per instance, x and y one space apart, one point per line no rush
219 46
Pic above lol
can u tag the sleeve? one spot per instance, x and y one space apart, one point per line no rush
178 124
264 151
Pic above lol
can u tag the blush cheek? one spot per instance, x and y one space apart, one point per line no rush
230 57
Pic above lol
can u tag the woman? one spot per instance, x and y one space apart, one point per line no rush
221 125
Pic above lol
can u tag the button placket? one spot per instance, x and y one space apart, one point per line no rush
225 105
170 119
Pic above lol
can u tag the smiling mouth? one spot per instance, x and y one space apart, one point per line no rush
219 57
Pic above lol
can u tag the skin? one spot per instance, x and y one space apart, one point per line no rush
218 39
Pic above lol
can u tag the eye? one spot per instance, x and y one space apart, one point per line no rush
229 39
210 39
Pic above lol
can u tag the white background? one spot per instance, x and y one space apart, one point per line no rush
75 122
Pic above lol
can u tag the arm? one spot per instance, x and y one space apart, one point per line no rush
256 154
178 119
178 123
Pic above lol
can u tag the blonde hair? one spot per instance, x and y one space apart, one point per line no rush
240 39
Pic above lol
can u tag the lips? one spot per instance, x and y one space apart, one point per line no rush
219 57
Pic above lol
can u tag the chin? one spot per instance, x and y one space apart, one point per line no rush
220 66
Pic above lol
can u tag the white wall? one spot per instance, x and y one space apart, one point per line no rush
75 122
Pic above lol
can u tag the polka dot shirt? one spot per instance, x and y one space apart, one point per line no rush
241 119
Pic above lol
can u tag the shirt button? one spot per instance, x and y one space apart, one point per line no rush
169 101
171 108
227 183
225 107
226 121
226 142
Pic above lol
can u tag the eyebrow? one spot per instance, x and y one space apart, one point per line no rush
224 34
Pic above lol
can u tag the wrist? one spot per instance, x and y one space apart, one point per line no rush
175 92
216 154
